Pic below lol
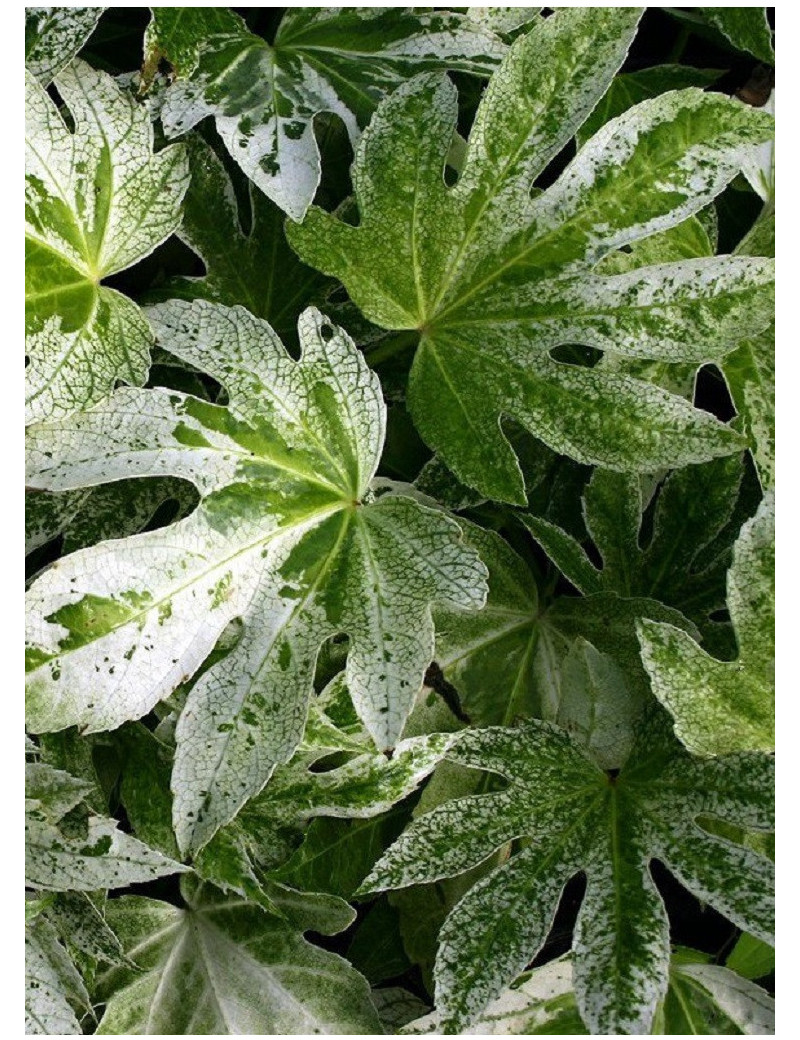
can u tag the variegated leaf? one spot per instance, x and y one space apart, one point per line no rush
701 998
223 966
54 989
724 706
288 537
63 853
574 817
264 97
54 35
97 200
494 278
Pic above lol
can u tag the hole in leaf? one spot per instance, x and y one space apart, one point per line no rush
573 354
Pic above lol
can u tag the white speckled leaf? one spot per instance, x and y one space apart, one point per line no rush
223 966
83 855
89 515
288 537
540 1001
576 818
750 370
264 98
261 836
701 998
97 200
494 278
54 989
724 706
54 35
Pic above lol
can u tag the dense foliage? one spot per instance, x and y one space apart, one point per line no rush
400 519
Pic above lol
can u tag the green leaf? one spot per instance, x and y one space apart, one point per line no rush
54 35
509 660
288 537
257 268
377 947
630 88
747 29
573 818
223 966
264 98
682 563
704 998
82 854
494 279
397 1007
97 200
752 958
724 706
54 989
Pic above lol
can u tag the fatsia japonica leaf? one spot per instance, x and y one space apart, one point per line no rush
222 966
566 661
68 850
97 200
747 28
288 537
251 852
701 998
54 35
54 989
493 278
724 706
264 97
574 818
629 88
256 269
750 369
90 515
684 561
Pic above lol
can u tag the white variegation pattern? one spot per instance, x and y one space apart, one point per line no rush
574 817
54 988
701 998
725 706
97 200
494 276
94 857
288 537
264 97
221 966
54 35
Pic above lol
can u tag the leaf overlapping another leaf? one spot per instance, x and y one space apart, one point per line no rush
724 706
97 200
79 855
286 538
223 966
575 818
494 279
264 97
